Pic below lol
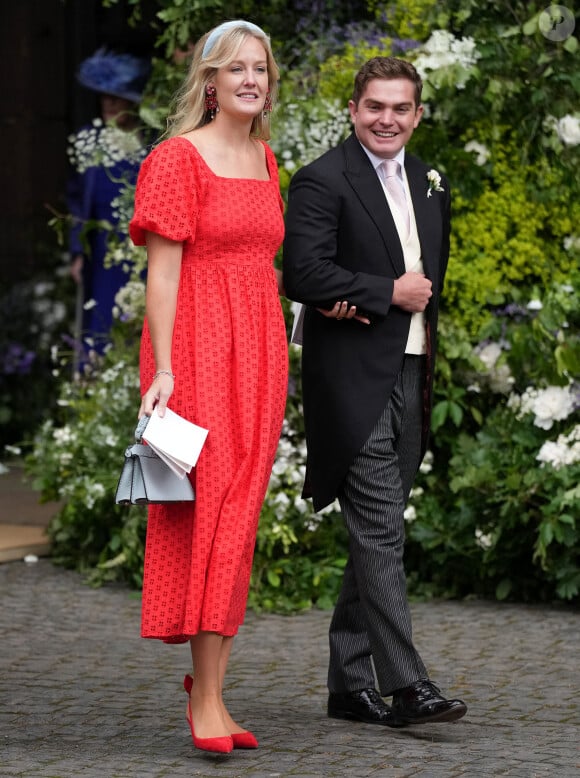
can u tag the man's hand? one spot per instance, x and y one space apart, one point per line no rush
412 292
342 310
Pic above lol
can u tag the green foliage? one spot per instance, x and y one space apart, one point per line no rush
507 238
34 314
300 555
493 518
77 457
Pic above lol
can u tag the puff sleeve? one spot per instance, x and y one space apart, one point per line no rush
166 198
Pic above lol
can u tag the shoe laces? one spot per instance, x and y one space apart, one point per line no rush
425 685
374 696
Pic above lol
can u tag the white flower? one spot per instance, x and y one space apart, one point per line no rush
501 380
63 435
452 56
130 300
282 499
427 463
483 541
534 305
572 242
480 150
434 180
410 513
103 145
334 507
564 451
489 354
554 403
568 129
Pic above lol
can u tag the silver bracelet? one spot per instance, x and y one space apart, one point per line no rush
163 372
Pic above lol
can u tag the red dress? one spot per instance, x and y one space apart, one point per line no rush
230 361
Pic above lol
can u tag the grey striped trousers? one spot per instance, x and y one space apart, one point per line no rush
371 625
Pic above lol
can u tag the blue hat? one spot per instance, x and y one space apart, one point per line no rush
121 75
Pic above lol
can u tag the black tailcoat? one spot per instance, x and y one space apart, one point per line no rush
342 244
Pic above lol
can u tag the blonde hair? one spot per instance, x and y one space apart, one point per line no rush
190 112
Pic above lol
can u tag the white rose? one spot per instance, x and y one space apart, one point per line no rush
440 41
571 242
568 129
489 354
483 541
553 453
552 404
501 380
534 305
480 150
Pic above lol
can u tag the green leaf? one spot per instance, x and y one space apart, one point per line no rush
503 589
546 533
477 415
565 518
439 415
112 563
273 578
456 413
531 26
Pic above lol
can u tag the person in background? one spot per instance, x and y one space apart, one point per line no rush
118 149
214 349
368 224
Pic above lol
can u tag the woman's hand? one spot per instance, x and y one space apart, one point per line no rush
342 310
158 394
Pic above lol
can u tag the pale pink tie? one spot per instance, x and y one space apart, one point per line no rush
390 173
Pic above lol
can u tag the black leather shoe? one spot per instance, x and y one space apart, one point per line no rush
423 703
364 705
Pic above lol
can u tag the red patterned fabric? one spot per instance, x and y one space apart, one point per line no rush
230 361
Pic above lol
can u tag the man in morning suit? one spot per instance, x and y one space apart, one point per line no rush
366 225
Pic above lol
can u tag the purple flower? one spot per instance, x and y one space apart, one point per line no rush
18 360
513 310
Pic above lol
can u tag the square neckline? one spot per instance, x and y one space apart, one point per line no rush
229 178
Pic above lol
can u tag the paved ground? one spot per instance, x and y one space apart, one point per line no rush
82 695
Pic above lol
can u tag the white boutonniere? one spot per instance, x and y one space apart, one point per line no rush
434 180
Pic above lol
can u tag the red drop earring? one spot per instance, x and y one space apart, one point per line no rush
211 103
267 104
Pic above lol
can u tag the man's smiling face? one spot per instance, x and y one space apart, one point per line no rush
386 115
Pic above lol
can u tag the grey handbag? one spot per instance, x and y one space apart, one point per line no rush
146 479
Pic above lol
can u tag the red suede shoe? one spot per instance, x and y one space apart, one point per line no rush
240 739
218 745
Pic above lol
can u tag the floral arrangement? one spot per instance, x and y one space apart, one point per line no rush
434 180
443 59
105 145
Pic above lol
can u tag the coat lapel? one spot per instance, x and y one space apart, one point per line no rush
427 213
367 187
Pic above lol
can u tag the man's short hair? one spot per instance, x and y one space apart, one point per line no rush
386 68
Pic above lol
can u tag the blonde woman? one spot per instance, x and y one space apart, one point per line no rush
209 210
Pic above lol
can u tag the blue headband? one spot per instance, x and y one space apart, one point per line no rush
217 32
